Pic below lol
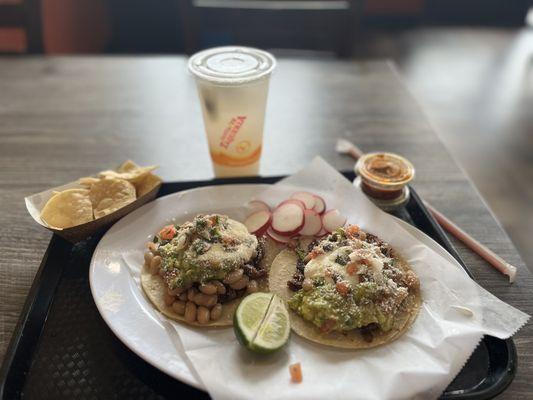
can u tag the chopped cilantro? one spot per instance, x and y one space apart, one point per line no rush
200 247
201 224
300 253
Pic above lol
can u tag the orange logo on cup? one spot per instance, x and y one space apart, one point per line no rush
242 146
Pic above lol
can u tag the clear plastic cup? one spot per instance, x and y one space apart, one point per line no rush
232 85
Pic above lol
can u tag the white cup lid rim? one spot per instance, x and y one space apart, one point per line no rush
231 65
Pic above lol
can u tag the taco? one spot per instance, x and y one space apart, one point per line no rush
349 290
197 272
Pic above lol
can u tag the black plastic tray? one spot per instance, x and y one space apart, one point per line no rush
62 349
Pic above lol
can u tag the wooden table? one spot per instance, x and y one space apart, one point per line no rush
63 118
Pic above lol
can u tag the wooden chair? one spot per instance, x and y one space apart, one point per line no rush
24 14
327 25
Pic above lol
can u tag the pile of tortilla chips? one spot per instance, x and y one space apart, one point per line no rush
100 196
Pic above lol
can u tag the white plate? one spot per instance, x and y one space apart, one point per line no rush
118 297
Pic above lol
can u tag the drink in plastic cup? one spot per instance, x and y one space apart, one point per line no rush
232 85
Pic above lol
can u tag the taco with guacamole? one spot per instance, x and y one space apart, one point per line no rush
349 290
197 272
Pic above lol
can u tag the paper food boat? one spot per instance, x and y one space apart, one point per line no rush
36 202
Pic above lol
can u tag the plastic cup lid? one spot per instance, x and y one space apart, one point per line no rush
231 65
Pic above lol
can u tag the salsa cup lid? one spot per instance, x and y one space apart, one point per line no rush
231 65
386 171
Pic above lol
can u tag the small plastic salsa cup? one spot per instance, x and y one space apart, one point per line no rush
384 175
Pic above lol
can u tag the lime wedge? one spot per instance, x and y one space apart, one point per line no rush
261 323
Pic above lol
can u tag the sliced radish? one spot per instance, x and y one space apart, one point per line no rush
299 203
332 220
278 238
312 223
320 205
305 197
258 222
258 205
287 219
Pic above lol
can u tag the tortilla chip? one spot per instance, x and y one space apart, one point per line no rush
108 195
127 166
133 176
146 184
282 270
68 208
88 181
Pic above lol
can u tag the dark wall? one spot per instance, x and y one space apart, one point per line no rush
145 26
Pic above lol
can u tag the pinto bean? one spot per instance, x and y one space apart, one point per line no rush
191 293
241 283
216 312
234 276
206 300
208 288
176 291
252 286
221 289
148 258
190 311
168 299
179 307
152 247
202 314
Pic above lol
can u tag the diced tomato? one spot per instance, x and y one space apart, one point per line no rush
296 372
312 254
352 230
168 232
342 288
228 240
351 268
327 326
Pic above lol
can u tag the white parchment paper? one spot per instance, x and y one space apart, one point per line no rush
455 314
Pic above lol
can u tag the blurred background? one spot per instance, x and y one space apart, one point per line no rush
468 62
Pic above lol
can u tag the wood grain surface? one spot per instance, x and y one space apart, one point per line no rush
66 117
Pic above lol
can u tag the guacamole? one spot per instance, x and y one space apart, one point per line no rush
208 248
350 280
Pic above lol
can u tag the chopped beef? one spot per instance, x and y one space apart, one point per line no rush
254 271
367 331
260 251
312 245
296 282
228 296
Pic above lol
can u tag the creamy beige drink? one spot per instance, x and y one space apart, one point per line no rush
233 86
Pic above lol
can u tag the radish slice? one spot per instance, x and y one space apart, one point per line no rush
278 238
332 220
287 219
305 197
258 205
320 205
299 203
258 222
312 223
